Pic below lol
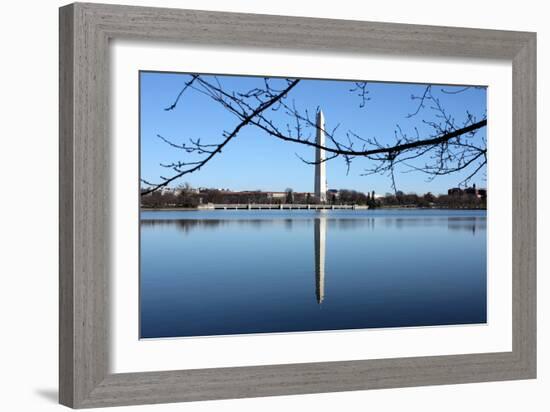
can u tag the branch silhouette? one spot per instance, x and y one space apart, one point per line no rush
218 148
450 147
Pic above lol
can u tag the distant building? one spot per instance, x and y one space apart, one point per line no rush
332 194
276 195
472 191
167 190
455 191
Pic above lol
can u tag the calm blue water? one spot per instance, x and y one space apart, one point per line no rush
235 272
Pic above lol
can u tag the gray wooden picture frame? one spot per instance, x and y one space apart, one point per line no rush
85 32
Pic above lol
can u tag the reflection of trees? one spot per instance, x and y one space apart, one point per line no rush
186 225
352 224
288 224
454 223
472 224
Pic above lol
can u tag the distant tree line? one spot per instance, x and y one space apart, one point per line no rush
429 200
187 197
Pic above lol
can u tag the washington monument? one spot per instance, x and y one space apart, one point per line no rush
321 196
320 166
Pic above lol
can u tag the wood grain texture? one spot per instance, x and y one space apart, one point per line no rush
66 229
524 204
85 31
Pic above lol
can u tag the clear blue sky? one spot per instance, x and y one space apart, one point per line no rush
255 160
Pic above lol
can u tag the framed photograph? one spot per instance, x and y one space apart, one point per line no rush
257 205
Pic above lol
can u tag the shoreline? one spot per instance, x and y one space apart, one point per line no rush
194 209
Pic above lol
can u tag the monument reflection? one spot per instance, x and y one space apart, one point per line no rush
320 235
320 219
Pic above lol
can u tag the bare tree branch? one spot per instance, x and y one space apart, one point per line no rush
450 147
227 139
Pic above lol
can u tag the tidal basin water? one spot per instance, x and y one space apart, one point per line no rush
252 271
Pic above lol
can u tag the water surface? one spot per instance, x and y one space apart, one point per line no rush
253 271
